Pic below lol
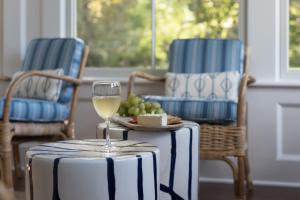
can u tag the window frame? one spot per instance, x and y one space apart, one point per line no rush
122 73
286 72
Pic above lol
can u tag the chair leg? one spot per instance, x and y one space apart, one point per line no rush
249 182
16 156
6 155
5 194
234 170
6 168
240 190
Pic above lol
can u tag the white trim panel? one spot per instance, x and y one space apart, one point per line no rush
280 155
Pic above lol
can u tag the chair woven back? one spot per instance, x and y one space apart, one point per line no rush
55 53
206 55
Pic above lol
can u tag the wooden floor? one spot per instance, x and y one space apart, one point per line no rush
212 191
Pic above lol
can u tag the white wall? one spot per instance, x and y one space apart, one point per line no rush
274 105
1 35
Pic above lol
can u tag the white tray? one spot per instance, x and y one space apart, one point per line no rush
125 122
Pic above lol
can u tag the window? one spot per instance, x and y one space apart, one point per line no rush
294 34
289 39
137 33
118 31
193 18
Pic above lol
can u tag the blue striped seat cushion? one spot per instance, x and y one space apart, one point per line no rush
55 53
198 109
206 55
32 110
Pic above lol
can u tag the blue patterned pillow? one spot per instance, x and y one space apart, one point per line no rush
37 87
210 86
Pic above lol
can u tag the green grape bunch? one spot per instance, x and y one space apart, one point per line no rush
135 106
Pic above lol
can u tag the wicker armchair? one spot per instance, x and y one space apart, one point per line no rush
217 141
24 119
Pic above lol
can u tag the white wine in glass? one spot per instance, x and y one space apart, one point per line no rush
106 107
106 100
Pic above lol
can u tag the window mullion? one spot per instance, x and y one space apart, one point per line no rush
242 30
153 34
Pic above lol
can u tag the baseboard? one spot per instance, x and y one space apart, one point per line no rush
255 182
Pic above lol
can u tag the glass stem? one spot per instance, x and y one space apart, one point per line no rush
108 143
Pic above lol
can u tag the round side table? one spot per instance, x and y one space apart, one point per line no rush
179 155
78 169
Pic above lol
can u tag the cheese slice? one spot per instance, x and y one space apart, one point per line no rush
152 120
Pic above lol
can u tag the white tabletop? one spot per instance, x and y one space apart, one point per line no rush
91 148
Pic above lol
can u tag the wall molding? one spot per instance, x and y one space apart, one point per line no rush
71 18
273 84
255 182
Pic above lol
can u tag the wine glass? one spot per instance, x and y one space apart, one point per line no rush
106 100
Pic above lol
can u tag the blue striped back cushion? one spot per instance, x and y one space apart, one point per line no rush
54 53
206 55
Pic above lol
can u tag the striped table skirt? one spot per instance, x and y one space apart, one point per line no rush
80 170
179 155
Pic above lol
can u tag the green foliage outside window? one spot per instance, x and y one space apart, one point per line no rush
294 34
119 31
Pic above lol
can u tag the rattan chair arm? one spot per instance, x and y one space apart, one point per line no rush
13 85
5 78
251 80
241 113
143 75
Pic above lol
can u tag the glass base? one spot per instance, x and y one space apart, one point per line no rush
108 150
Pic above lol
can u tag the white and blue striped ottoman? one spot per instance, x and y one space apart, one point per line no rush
78 170
179 155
